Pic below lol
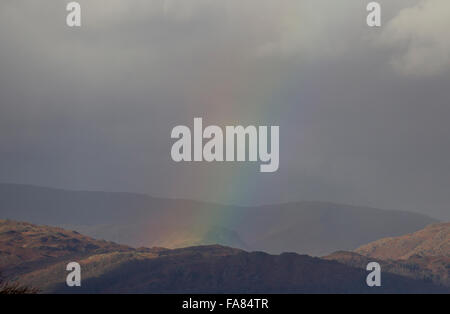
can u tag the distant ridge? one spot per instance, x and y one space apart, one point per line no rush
314 228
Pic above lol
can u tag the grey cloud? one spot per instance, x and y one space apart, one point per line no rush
93 108
420 34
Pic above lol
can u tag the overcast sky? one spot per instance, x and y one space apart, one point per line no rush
363 113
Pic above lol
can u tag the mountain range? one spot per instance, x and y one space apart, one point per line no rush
36 256
314 228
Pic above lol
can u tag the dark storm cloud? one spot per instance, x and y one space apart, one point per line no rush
362 112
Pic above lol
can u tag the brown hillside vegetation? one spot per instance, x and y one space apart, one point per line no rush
22 245
36 256
430 268
424 254
433 240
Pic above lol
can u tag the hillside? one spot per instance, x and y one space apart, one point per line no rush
434 269
312 228
434 240
24 245
424 254
107 267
